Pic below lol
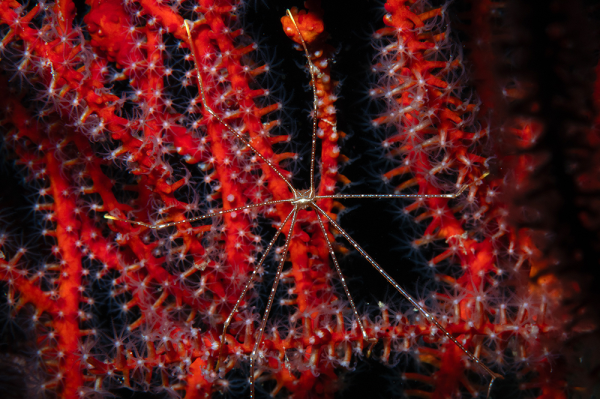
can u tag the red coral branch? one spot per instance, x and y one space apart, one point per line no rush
106 117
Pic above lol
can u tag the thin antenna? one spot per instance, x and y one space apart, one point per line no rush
311 68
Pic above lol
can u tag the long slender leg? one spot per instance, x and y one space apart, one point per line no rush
196 218
263 323
311 68
409 298
247 286
346 290
392 196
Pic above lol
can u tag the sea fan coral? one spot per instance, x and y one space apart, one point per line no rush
104 117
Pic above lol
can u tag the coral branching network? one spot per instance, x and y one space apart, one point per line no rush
152 166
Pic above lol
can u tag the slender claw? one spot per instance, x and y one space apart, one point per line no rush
372 341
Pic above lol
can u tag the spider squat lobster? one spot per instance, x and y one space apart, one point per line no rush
302 199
